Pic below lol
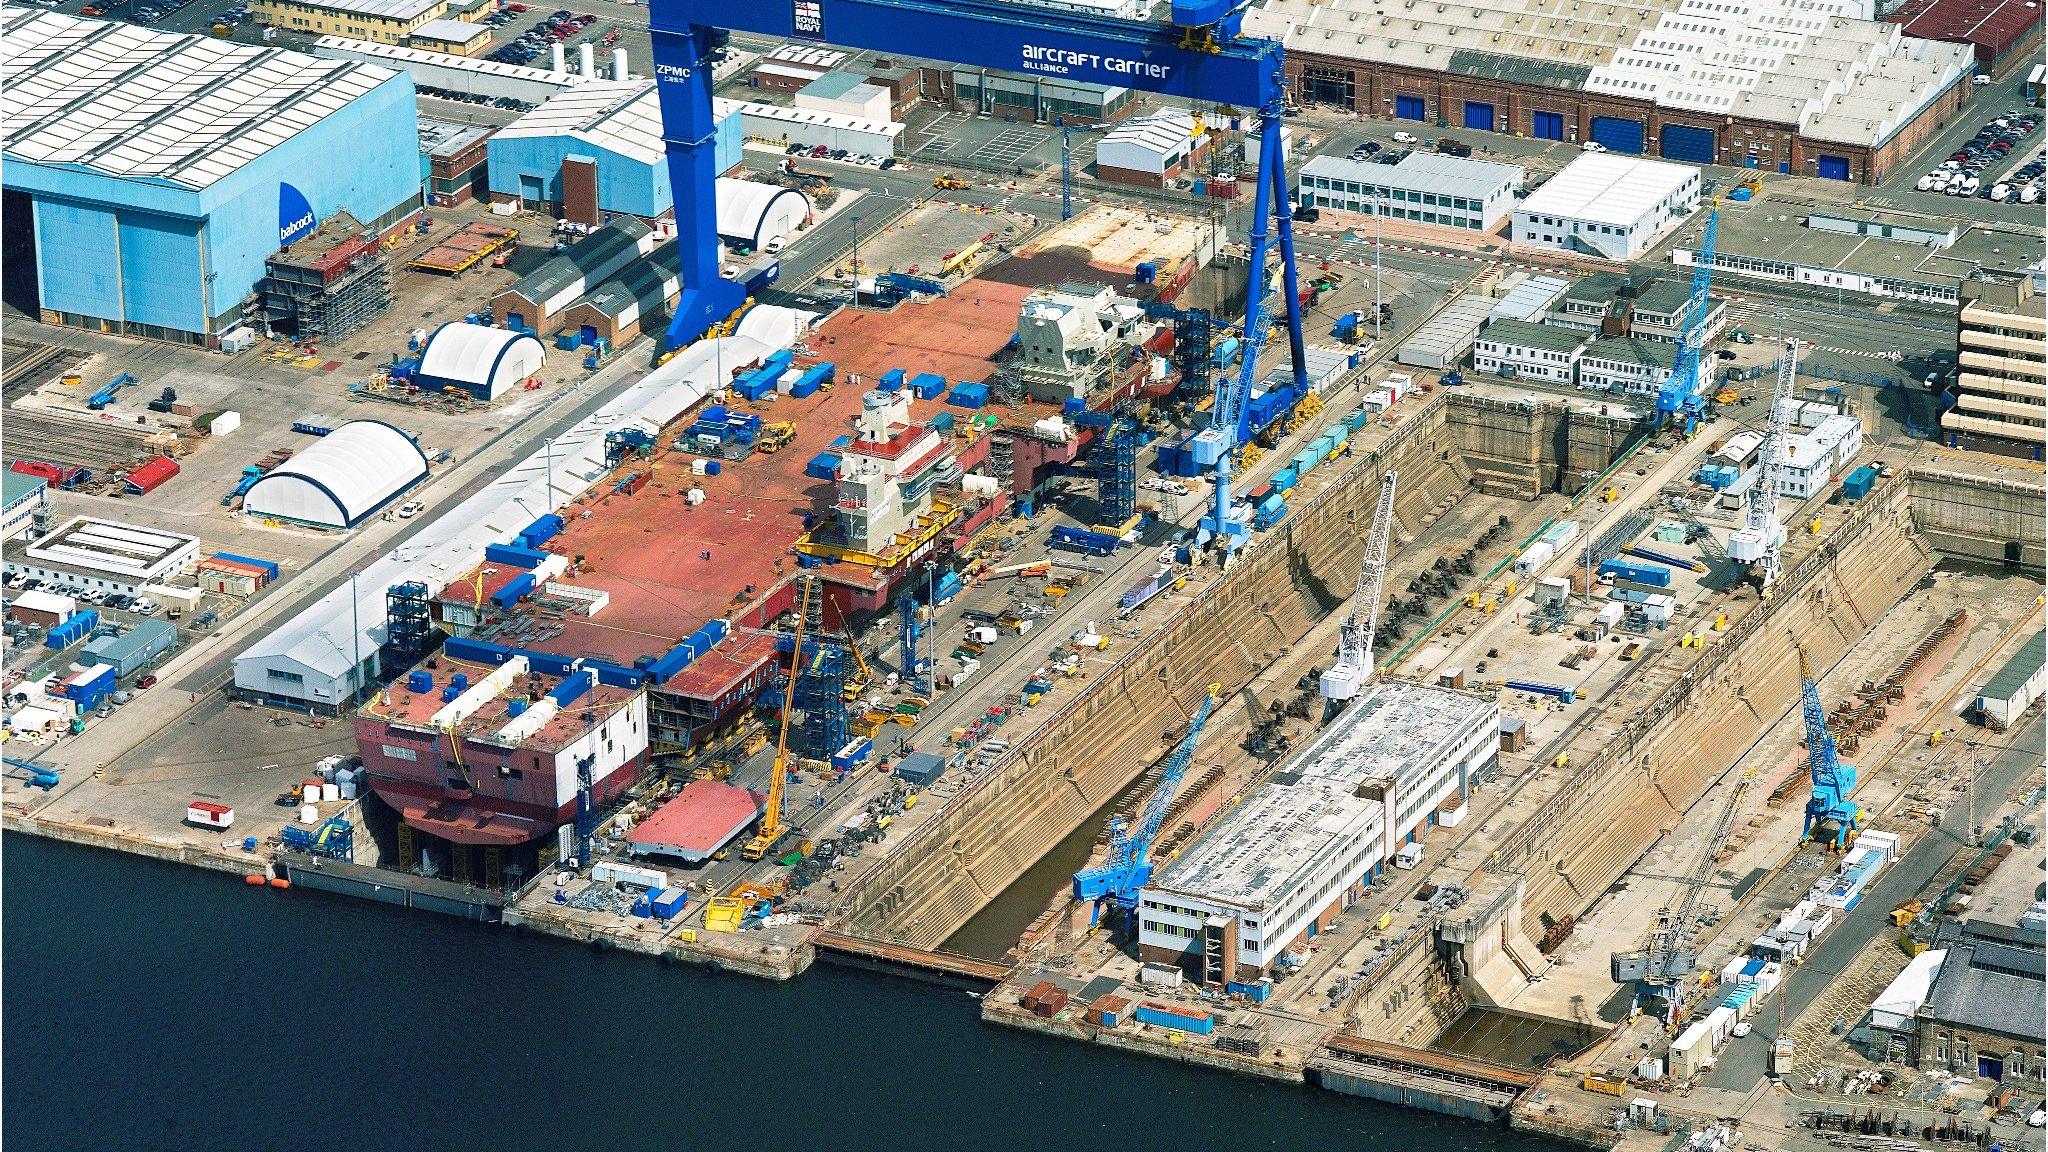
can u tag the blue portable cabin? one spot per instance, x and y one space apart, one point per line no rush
968 395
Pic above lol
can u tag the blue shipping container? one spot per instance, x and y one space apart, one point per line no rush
968 396
892 380
926 385
1200 1025
1652 575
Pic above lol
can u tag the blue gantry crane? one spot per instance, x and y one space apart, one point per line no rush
1114 460
1682 398
1128 866
1197 54
1833 780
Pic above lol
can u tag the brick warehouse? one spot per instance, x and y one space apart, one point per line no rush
1374 88
1824 92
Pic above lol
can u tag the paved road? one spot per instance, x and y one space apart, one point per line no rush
1743 1062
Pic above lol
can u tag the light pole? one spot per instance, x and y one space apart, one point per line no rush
1377 308
856 259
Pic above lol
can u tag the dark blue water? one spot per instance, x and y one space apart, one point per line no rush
150 1006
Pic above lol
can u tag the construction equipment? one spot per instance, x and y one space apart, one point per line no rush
1833 780
1353 669
771 815
1662 968
1762 535
1679 398
38 776
775 436
1128 866
950 183
334 838
1906 913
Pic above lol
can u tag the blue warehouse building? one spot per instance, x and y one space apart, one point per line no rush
593 151
156 172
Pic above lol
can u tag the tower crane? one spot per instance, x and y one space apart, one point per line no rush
1353 668
771 814
1833 780
1128 866
1762 535
1680 397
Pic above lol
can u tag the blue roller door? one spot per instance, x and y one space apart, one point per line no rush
1479 115
1619 135
1411 108
1684 142
1546 125
1834 168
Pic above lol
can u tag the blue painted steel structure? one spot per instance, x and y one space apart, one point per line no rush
1680 397
1199 55
1833 780
37 775
1128 866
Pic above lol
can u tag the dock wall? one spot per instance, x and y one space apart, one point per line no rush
1097 743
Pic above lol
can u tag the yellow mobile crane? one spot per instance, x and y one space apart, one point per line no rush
771 816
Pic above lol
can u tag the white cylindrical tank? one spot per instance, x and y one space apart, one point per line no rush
558 59
619 65
586 60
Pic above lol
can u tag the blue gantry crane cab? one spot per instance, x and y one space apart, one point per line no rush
1829 805
1128 865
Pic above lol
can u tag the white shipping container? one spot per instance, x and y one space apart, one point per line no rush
1379 400
1884 842
1719 1021
1400 384
1533 557
224 423
1693 1051
628 875
329 793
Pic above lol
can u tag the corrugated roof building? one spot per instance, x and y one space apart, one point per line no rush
607 129
160 170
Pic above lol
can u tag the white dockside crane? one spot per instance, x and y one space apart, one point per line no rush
1762 534
1353 669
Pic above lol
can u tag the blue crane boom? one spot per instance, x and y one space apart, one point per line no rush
1680 397
1128 866
38 776
1833 780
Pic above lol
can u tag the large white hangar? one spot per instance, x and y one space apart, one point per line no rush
350 474
483 361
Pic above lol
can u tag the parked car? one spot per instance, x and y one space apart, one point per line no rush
146 607
146 681
1405 138
120 601
410 509
1592 146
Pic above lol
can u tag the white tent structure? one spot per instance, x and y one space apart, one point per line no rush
753 213
483 361
342 479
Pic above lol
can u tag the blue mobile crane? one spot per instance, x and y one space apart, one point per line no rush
1681 398
1128 866
1833 780
1197 54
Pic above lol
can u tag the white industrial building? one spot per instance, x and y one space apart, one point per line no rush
328 652
453 73
847 94
1149 150
1528 351
107 555
1606 206
343 479
759 216
1628 366
1424 188
1811 461
483 361
1441 343
781 127
2015 687
1282 865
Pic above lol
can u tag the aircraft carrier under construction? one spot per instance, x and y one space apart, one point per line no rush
1343 685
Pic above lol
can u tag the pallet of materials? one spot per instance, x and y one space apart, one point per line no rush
475 242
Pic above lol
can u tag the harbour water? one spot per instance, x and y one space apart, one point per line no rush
151 1006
